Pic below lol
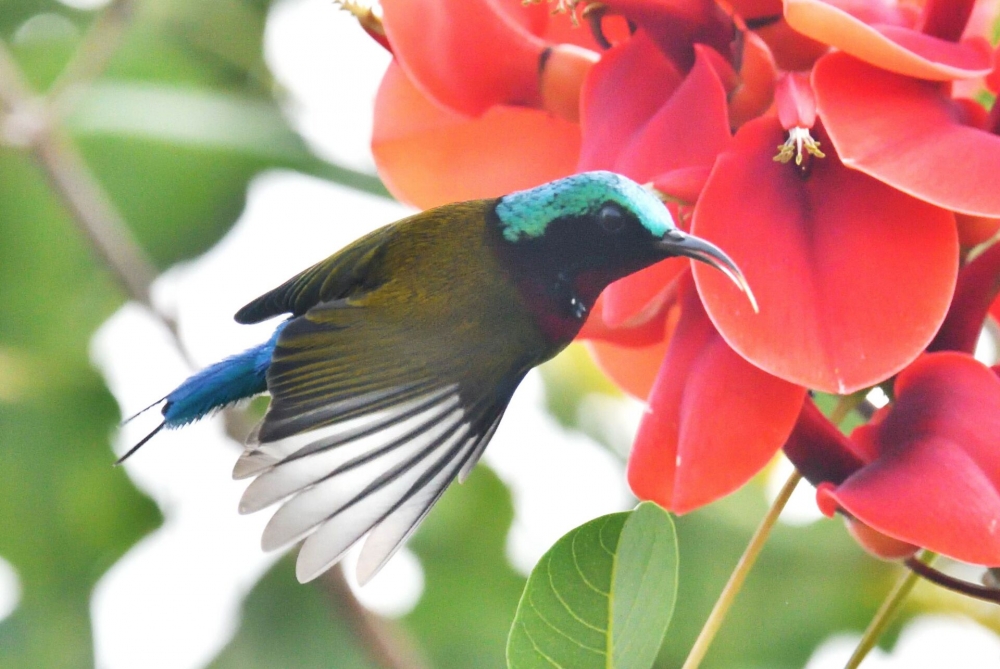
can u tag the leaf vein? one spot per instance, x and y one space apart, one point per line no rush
566 606
579 571
538 650
561 632
600 540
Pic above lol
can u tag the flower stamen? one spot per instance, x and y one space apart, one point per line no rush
367 12
563 7
798 139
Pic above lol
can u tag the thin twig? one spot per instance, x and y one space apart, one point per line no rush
958 585
93 211
96 50
752 551
885 614
736 579
386 642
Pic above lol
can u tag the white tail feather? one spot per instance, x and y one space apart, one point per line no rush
318 502
296 473
390 534
328 543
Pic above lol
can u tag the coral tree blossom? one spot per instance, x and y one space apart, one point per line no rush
831 147
926 470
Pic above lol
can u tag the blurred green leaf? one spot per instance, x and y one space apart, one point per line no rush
201 118
286 624
809 583
601 597
644 586
16 12
470 590
569 378
174 130
66 514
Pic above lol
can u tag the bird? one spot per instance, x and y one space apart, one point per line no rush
395 358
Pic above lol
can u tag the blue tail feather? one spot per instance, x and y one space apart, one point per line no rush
217 386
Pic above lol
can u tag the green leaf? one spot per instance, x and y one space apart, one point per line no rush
602 596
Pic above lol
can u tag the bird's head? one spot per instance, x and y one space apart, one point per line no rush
593 228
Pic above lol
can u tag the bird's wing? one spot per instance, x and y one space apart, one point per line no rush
338 276
391 415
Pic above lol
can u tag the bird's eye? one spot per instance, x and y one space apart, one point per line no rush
611 217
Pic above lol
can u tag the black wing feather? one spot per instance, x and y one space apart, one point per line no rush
338 276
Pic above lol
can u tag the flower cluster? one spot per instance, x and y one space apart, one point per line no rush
840 151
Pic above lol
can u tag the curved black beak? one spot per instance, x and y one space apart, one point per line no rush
679 243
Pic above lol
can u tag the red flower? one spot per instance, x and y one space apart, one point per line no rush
853 277
811 241
894 37
496 75
910 134
977 289
851 244
422 149
705 399
925 473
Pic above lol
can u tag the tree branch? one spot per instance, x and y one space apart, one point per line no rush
29 123
387 643
96 50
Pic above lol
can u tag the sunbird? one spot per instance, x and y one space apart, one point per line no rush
398 355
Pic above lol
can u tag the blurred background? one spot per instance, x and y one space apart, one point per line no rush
162 162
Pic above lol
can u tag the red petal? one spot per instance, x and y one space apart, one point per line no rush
953 395
878 544
795 101
714 420
819 449
976 230
688 130
652 329
683 185
870 12
891 47
853 278
983 18
977 288
907 133
993 78
792 50
468 54
628 298
632 369
753 9
936 481
754 91
946 19
631 355
677 25
608 117
428 155
562 77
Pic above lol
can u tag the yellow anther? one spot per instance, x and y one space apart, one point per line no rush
367 12
798 139
562 7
